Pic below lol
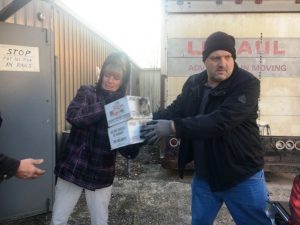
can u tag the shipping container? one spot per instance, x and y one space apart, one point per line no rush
36 89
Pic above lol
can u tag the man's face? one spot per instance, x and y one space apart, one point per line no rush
219 65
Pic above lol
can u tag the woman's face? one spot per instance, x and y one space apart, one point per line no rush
112 79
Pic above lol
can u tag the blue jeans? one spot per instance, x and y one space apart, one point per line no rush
246 202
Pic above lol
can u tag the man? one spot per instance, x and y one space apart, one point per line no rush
215 118
23 169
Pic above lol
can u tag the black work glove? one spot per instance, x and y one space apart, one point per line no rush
154 130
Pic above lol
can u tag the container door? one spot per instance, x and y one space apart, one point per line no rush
27 109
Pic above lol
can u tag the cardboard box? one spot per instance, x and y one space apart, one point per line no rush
125 133
127 108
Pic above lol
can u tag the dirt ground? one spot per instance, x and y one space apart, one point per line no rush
144 193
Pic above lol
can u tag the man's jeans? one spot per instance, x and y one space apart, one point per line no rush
246 202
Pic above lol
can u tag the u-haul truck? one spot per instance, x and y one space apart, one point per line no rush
267 36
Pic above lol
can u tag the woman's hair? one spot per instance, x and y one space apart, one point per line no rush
118 61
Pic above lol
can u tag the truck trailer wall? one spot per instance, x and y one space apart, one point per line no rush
280 95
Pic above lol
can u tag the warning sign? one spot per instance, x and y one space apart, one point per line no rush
19 58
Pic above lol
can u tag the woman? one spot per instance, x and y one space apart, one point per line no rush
87 162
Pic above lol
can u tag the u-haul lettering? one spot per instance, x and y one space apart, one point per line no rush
264 57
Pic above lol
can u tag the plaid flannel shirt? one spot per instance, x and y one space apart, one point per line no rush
87 160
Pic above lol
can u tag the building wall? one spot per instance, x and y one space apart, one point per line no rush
280 97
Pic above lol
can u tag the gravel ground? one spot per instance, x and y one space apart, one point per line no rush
146 194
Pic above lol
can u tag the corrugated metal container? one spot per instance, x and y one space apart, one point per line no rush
134 80
78 52
67 54
270 20
31 14
150 80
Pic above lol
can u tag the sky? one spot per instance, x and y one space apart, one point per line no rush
132 25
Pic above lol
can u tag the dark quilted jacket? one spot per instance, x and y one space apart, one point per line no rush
228 127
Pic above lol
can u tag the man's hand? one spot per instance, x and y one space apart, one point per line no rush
28 170
154 130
